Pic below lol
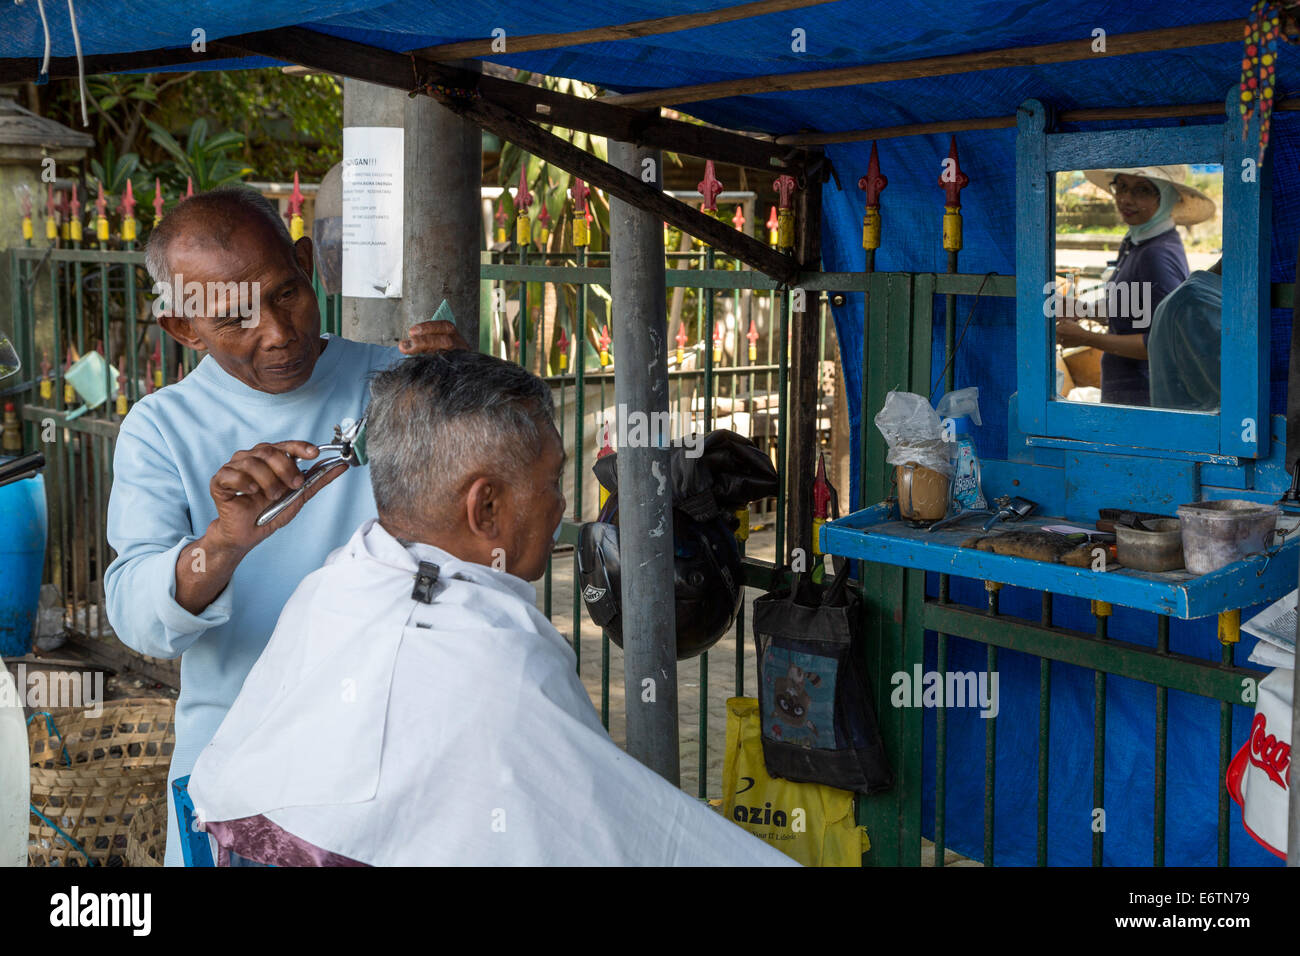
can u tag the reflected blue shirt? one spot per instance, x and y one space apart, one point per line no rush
1185 344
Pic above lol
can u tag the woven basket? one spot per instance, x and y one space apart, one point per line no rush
146 837
93 779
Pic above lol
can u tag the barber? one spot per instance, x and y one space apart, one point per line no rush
195 577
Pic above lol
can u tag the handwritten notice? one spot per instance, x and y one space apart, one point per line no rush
372 211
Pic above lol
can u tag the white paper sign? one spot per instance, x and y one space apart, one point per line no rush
372 211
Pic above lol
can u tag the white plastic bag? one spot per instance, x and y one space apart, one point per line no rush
913 431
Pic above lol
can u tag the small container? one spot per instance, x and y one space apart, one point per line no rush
1157 548
922 492
1218 533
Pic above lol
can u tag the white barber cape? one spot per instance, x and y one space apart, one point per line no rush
400 733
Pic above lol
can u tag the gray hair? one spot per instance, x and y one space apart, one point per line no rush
436 420
218 212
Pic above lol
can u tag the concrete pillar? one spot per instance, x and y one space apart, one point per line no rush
442 175
644 477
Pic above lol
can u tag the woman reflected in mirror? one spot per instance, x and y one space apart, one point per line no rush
1151 263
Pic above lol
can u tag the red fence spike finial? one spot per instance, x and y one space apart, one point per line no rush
771 219
157 201
579 192
681 335
821 490
295 198
952 179
45 364
709 187
544 217
874 181
189 187
785 186
738 220
523 198
128 202
74 206
101 203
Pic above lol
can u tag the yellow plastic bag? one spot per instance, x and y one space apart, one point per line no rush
809 822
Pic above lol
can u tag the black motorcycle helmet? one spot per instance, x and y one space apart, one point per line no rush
706 572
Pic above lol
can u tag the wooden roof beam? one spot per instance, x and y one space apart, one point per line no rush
475 103
465 49
26 69
405 71
1087 115
1117 44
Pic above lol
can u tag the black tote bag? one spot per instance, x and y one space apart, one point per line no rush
818 718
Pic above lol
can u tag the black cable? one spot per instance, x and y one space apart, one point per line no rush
965 325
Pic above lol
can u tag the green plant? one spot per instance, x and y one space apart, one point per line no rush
207 160
115 170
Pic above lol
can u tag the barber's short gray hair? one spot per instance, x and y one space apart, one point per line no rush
218 212
435 421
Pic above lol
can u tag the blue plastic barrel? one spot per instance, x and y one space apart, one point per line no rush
22 558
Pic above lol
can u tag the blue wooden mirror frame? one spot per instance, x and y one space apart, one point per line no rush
1244 366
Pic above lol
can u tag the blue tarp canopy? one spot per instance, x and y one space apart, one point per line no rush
845 34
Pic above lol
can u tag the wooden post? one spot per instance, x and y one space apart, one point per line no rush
804 370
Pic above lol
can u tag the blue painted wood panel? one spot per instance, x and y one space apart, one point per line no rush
1096 481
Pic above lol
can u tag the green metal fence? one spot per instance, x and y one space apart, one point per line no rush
898 614
82 297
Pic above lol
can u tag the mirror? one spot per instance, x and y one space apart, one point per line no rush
1241 428
9 362
1135 306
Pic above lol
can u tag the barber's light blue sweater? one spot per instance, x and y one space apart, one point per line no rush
169 447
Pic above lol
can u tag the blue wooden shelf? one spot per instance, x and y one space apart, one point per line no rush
876 534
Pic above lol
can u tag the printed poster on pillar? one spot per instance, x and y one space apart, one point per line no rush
372 211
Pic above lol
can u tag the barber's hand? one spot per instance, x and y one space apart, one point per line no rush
1070 332
427 337
254 479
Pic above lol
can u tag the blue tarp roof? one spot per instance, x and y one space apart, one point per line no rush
848 33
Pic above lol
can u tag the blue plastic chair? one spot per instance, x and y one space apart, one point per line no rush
196 848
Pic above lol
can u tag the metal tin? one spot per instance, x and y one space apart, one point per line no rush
1159 548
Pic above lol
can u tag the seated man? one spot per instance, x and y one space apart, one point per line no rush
413 706
1185 343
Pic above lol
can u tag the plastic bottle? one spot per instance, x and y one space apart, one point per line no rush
15 786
